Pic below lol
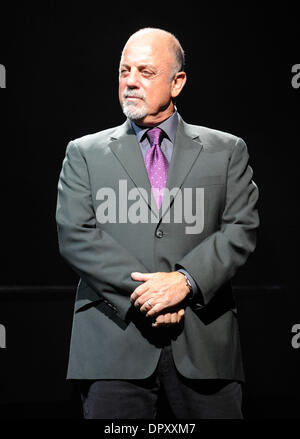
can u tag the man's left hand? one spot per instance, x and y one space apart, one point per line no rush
162 290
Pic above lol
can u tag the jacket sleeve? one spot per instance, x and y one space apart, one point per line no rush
93 254
216 259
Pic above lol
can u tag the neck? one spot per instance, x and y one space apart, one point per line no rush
153 120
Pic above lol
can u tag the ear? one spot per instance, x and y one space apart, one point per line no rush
178 83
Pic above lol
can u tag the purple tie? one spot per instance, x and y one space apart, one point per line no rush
157 165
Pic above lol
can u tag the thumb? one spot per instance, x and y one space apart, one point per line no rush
140 276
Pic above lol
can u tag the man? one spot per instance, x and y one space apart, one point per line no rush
156 216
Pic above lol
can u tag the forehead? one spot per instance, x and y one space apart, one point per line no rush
145 51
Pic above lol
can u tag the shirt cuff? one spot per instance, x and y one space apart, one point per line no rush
195 289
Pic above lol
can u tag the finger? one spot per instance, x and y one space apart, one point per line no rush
141 276
174 317
180 315
160 321
139 292
153 296
167 318
155 308
146 301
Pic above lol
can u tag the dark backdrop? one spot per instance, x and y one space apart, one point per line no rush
62 78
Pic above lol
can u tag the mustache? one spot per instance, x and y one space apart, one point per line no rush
133 94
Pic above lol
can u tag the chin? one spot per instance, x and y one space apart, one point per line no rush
134 114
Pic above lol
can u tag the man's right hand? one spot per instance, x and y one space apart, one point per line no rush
168 318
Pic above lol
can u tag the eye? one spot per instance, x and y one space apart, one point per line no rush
147 73
123 72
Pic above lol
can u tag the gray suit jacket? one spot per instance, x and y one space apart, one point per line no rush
110 338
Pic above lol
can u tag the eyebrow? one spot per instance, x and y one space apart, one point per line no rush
141 66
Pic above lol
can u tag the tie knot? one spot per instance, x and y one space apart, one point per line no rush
155 135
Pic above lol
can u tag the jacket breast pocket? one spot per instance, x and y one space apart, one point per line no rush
204 201
205 180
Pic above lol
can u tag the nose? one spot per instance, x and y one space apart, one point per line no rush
132 79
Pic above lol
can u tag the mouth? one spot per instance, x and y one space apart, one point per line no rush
132 97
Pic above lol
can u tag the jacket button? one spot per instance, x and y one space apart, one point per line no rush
159 233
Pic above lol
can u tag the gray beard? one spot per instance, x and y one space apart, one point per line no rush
133 112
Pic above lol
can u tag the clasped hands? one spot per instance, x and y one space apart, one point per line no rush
160 294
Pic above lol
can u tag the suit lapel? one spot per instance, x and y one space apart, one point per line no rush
187 147
126 148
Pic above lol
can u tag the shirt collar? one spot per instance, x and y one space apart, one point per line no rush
169 126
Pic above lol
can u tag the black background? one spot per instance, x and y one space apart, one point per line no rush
61 63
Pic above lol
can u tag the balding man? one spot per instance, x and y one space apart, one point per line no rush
156 216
